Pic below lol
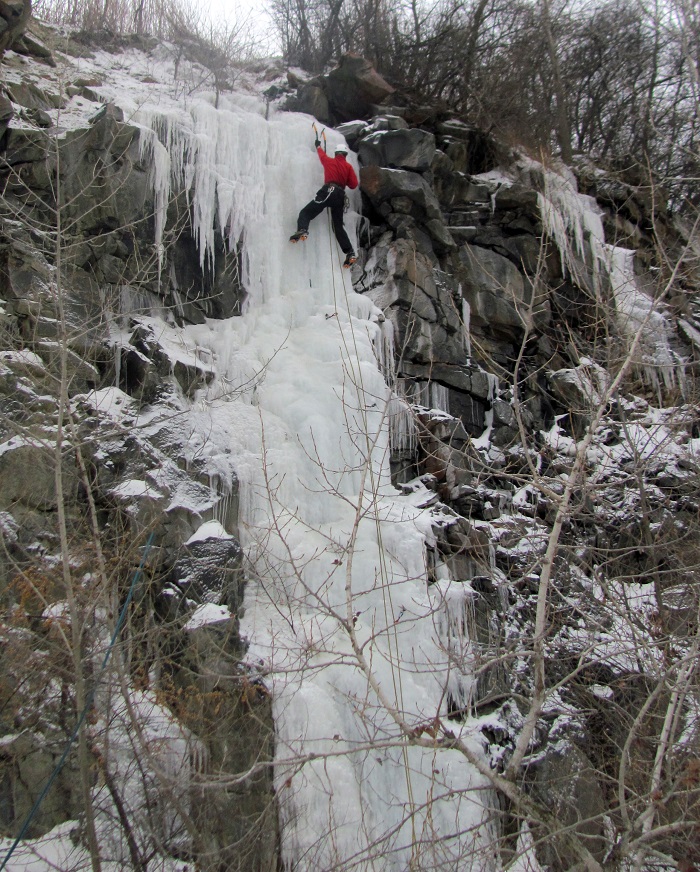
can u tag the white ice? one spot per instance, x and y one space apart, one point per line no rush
574 222
298 414
637 313
300 406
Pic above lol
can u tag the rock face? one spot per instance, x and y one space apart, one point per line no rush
231 712
27 764
191 676
14 15
489 394
569 776
459 262
352 90
458 254
6 113
398 149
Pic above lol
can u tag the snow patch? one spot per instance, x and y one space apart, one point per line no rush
208 530
207 613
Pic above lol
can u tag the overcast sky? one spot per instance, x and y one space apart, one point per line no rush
252 11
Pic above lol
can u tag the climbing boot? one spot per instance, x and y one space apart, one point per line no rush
299 236
350 259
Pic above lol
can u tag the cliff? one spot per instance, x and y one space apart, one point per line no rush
408 551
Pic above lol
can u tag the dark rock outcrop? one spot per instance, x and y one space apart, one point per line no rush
6 113
355 88
398 149
14 16
352 90
565 779
210 571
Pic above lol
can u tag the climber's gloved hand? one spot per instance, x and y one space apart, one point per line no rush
317 143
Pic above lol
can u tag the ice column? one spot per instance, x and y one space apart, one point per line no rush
339 616
637 311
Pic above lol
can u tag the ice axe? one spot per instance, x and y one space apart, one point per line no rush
320 135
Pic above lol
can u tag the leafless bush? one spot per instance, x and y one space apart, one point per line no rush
213 44
614 79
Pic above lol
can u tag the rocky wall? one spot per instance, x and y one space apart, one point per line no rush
457 258
77 261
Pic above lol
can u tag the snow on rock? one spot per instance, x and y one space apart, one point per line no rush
292 412
23 357
301 407
209 530
58 849
111 402
136 488
59 611
207 613
16 442
9 528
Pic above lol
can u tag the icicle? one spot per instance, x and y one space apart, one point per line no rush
222 498
492 381
179 305
138 301
216 158
403 435
439 397
574 222
572 219
638 311
117 348
383 344
388 365
492 557
492 199
153 152
466 326
457 628
418 393
484 441
503 598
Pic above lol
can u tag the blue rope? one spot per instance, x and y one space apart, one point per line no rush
86 708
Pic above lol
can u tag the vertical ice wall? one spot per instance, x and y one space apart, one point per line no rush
574 222
637 311
339 616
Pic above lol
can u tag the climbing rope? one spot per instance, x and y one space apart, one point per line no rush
392 629
86 708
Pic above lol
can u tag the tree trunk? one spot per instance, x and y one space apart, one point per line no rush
563 131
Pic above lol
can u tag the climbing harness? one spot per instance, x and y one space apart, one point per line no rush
328 189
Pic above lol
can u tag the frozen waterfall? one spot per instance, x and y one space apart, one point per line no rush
574 221
341 621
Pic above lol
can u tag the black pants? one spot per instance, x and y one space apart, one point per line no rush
328 197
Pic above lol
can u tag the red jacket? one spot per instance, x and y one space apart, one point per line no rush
337 169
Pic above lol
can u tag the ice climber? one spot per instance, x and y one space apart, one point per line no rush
338 174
